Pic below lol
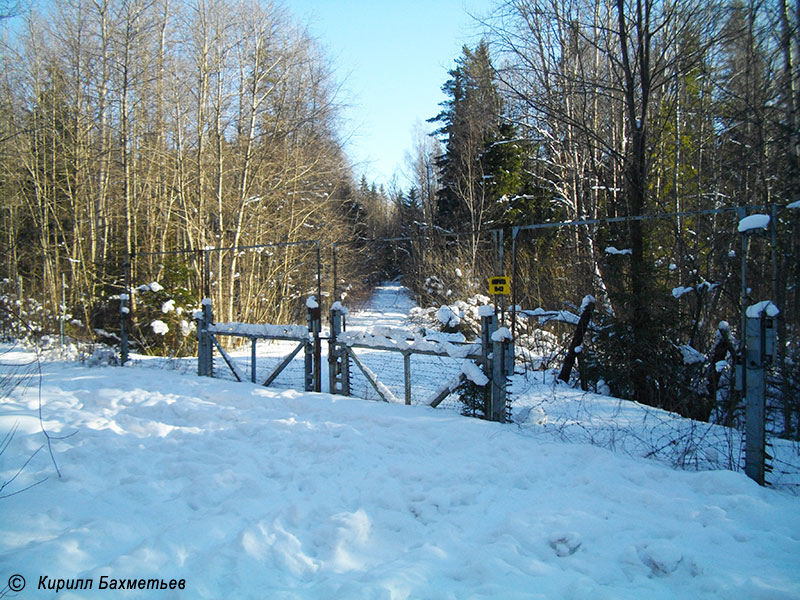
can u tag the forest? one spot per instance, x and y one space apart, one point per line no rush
197 145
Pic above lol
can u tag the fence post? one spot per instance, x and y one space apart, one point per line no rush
253 359
338 361
205 350
502 366
123 330
759 351
407 376
497 358
313 356
488 327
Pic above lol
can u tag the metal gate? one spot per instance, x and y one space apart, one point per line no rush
307 339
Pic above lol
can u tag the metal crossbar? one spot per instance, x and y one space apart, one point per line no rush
493 362
308 338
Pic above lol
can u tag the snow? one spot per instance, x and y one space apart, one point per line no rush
260 330
186 327
615 251
448 317
338 306
545 316
442 336
251 492
168 306
474 373
311 302
766 306
452 345
391 304
793 205
248 492
502 334
486 310
159 327
691 356
587 300
679 291
753 222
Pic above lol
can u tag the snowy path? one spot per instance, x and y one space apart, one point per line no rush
389 306
246 492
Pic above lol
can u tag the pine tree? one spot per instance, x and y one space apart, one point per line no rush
470 123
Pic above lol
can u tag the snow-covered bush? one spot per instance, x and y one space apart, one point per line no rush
162 317
458 317
22 318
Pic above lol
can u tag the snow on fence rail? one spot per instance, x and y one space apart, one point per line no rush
475 360
306 337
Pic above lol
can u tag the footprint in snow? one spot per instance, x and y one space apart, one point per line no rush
661 557
565 544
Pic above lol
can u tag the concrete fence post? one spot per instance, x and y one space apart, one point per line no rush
497 358
313 355
338 361
205 346
124 345
502 366
760 347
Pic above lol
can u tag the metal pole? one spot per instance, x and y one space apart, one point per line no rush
63 308
124 309
407 376
206 275
334 368
773 222
335 276
319 275
755 417
253 361
743 325
499 242
514 234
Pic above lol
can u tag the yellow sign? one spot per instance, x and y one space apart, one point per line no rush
499 286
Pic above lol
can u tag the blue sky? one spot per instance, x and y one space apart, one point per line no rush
392 58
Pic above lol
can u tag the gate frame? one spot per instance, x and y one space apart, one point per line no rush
207 332
494 354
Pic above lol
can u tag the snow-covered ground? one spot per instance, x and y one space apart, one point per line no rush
247 492
388 307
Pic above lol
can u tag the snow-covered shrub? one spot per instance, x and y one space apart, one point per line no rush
22 318
458 317
433 286
101 357
162 317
